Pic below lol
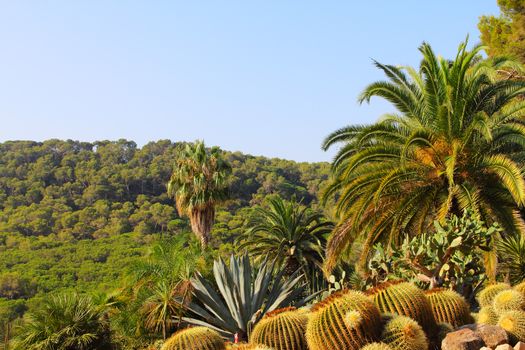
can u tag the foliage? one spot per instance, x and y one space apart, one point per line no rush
511 257
64 322
244 295
450 257
200 182
456 142
294 234
505 34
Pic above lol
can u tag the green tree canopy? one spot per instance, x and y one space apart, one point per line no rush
505 34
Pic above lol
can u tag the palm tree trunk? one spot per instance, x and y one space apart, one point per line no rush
202 220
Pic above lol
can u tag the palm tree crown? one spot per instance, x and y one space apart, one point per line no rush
295 235
456 142
199 183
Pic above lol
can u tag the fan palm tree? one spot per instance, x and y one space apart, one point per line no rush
64 322
198 184
294 234
456 141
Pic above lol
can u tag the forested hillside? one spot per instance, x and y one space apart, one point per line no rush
75 214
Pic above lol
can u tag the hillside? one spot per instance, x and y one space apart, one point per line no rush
74 214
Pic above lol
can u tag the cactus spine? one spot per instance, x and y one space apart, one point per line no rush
449 307
282 329
197 338
507 300
487 315
514 323
377 346
520 287
245 346
346 320
486 296
405 299
403 333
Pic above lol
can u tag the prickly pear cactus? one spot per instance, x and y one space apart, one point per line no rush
345 320
282 329
404 299
197 338
403 333
449 307
514 323
507 300
486 296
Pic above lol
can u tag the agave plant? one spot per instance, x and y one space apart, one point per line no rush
243 297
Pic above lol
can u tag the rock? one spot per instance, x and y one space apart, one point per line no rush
491 335
504 347
462 339
485 348
519 346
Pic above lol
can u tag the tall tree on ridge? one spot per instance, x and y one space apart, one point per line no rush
198 183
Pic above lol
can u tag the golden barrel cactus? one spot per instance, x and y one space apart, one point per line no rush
514 323
508 300
196 338
403 333
405 299
282 329
487 315
486 296
449 307
346 320
377 346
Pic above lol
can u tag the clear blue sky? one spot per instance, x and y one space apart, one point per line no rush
266 77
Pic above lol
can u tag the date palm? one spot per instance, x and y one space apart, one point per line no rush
198 184
294 234
456 141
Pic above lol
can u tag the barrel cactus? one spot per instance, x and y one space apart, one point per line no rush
520 287
246 346
486 296
345 320
377 346
403 333
404 299
507 300
282 329
514 323
197 338
449 307
487 315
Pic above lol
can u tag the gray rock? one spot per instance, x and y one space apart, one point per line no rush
504 347
519 346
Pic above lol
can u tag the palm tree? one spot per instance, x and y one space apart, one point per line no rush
456 141
511 258
64 322
198 184
293 234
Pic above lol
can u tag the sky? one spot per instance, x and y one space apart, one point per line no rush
265 77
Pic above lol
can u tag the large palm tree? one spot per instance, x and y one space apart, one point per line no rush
198 183
455 142
295 235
